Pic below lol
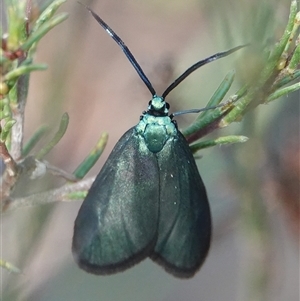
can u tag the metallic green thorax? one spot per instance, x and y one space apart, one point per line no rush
155 126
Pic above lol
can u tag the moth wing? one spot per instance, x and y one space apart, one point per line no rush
184 216
116 226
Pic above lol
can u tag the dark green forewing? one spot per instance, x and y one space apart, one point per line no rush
117 224
184 214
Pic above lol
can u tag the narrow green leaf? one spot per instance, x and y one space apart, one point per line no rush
34 140
42 30
295 60
283 91
209 116
9 266
287 79
273 61
220 93
76 195
59 134
292 35
219 141
6 129
92 158
22 70
47 14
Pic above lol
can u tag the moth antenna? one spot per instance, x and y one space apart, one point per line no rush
197 65
125 49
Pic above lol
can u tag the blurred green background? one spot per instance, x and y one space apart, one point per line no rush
253 188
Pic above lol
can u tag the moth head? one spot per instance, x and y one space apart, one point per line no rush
158 106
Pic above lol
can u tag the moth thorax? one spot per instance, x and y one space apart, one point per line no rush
155 136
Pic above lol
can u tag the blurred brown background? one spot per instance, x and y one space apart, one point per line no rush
90 78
